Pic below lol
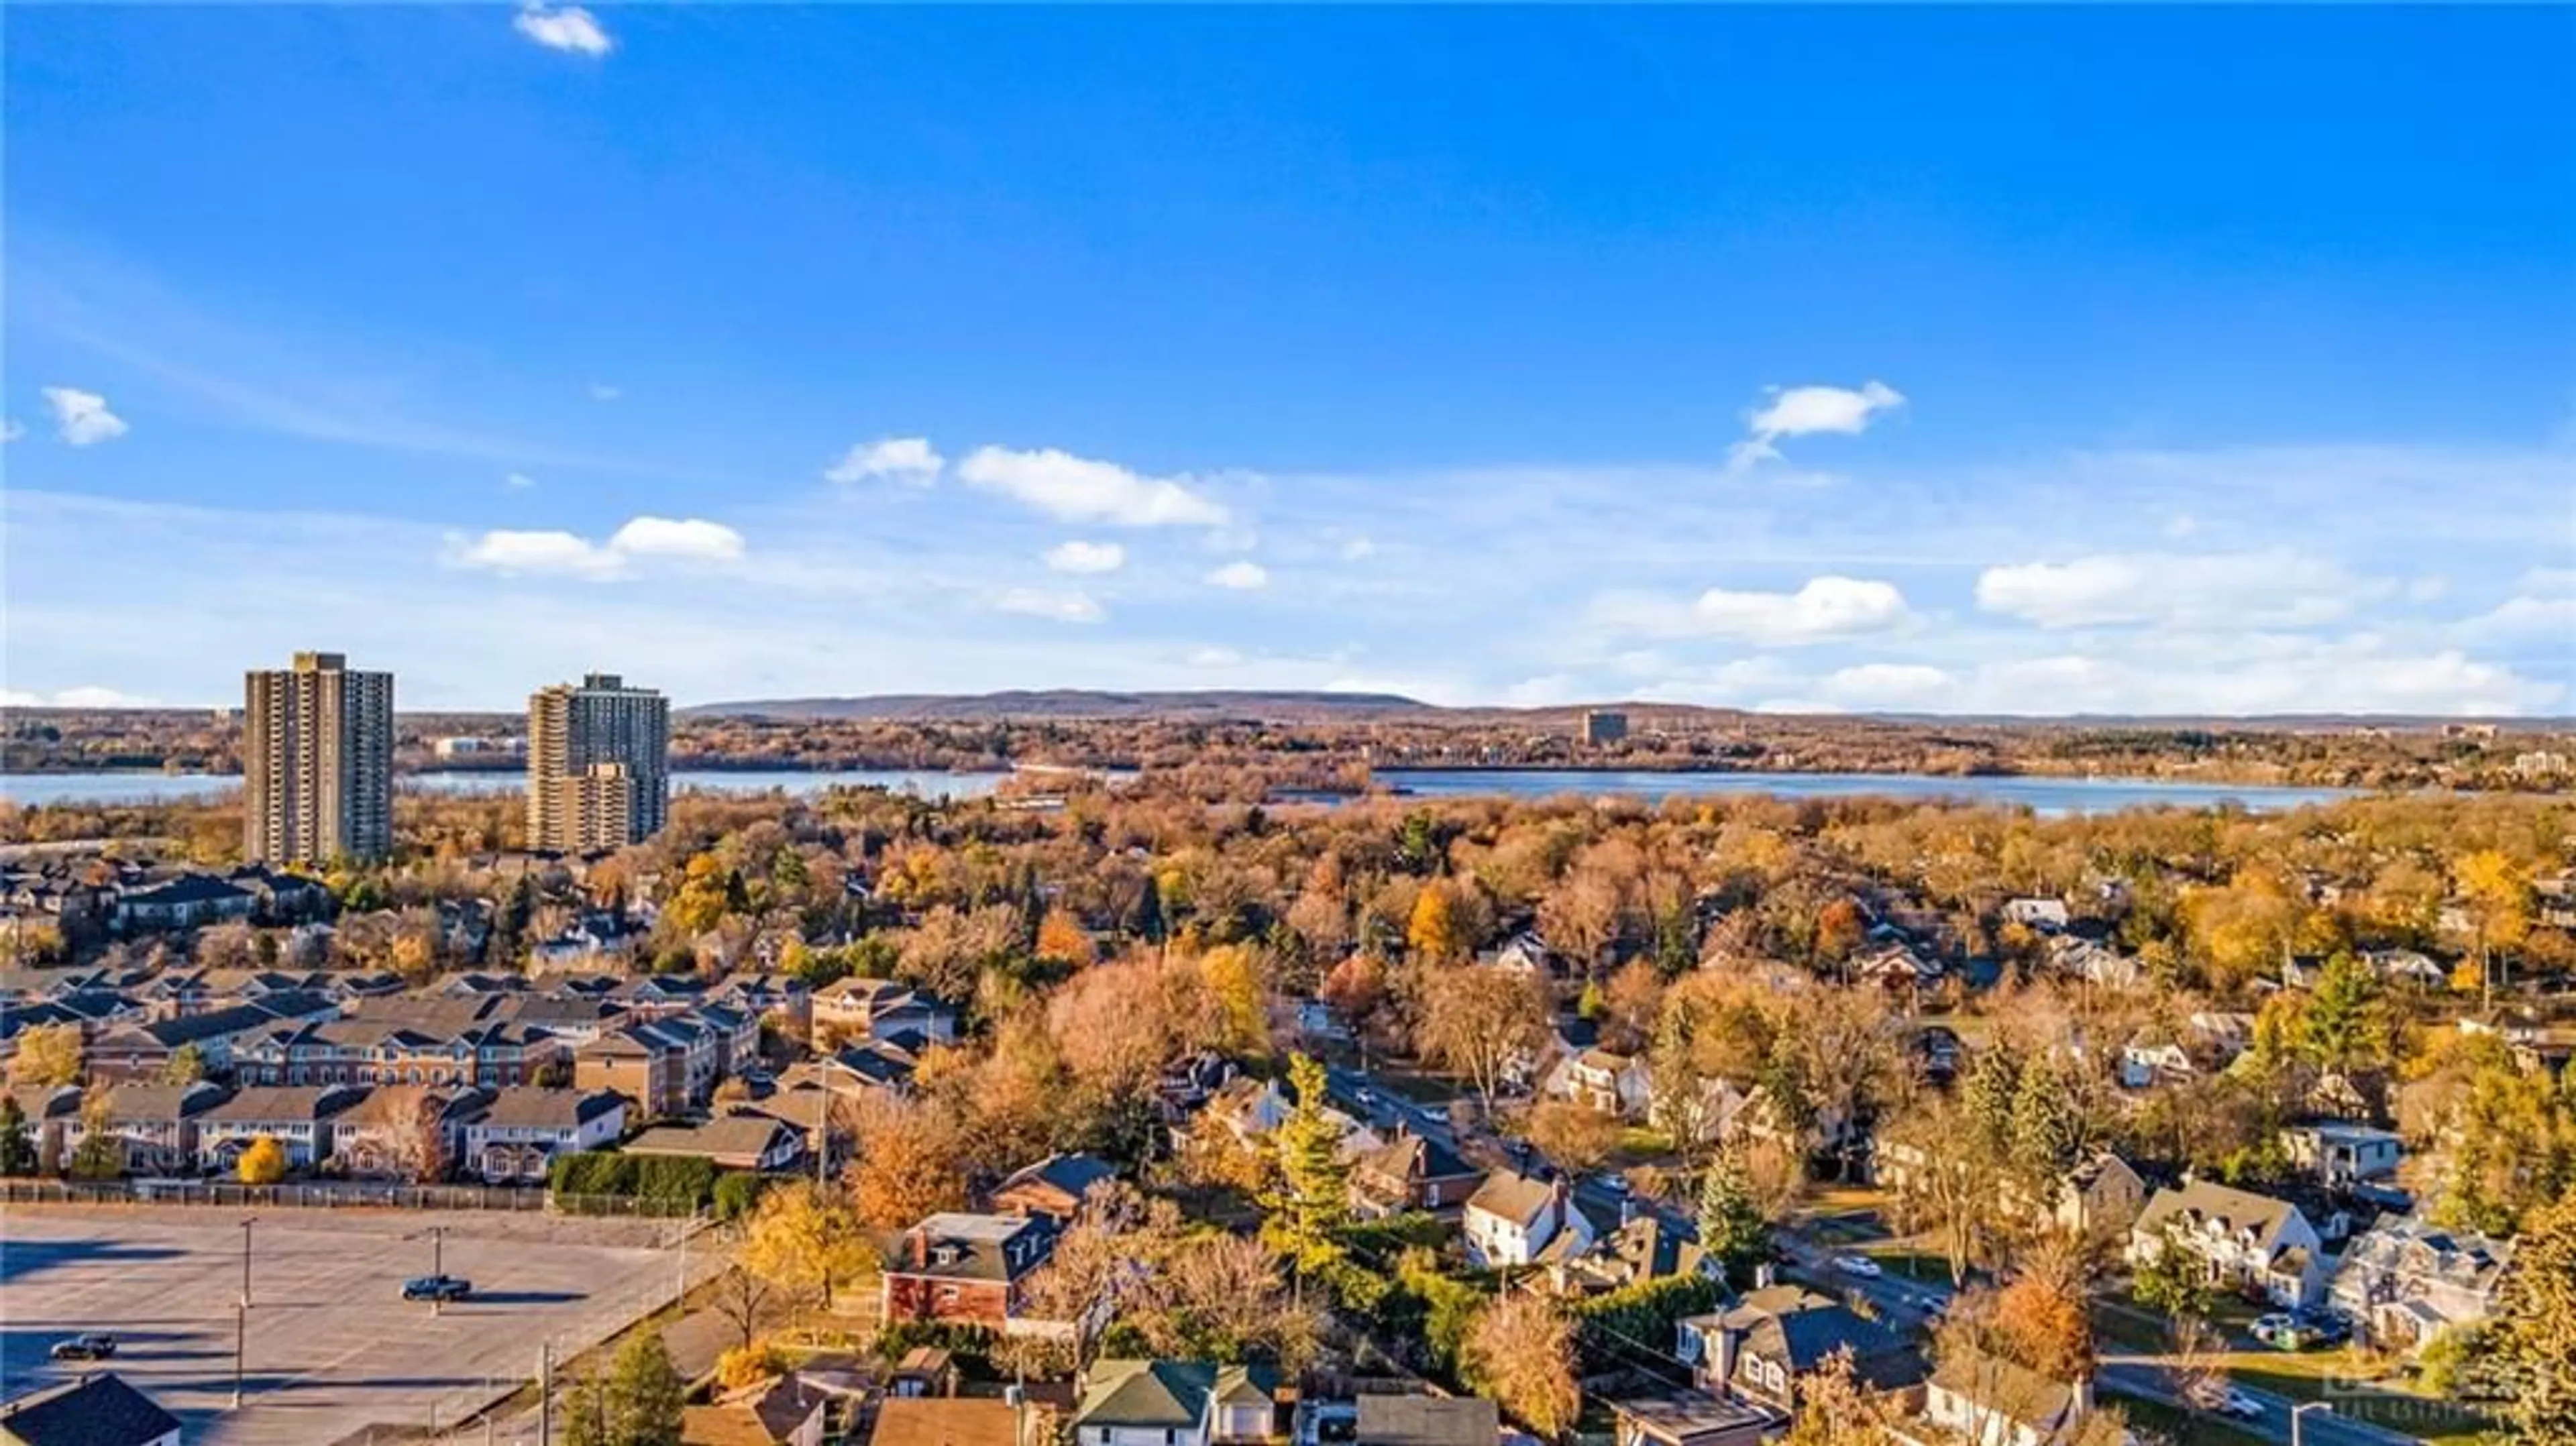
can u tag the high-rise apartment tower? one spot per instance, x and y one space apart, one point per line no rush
317 762
598 765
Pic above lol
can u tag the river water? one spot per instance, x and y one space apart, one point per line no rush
2049 797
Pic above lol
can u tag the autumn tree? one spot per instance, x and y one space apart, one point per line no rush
909 1163
2535 1341
746 1299
804 1243
1433 932
101 1152
2497 892
1062 939
1520 1352
186 1066
1837 1408
1477 1021
263 1163
1575 1136
49 1055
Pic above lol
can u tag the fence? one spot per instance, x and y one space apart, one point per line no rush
331 1195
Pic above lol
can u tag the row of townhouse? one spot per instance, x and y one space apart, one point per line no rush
670 1065
403 1132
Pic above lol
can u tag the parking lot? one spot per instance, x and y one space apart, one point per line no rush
331 1350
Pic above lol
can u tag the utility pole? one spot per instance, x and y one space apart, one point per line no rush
247 1222
545 1393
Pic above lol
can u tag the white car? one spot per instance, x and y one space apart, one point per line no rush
1860 1265
2239 1405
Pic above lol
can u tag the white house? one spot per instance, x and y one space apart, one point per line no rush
2047 915
1993 1402
1512 1217
518 1135
2243 1240
1602 1080
1175 1403
2335 1153
2405 1281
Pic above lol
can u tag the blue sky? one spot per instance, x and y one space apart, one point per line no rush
2010 360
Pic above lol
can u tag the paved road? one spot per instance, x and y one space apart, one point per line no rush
2133 1377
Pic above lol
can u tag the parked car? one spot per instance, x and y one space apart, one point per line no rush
437 1287
2233 1402
2283 1332
1860 1265
87 1346
2324 1326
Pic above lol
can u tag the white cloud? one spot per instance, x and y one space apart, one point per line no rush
2254 589
1083 557
91 697
1214 658
1893 685
518 481
1240 576
1078 489
603 392
1806 411
1062 607
692 538
10 431
1356 547
563 27
565 554
2182 524
908 460
2543 608
82 418
1823 609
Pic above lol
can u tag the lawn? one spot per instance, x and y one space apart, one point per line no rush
2182 1428
2344 1382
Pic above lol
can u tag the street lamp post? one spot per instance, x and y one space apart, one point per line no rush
241 1313
2300 1410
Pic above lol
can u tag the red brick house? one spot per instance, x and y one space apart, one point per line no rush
972 1268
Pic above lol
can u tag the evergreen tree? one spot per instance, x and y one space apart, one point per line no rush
2345 1027
2047 1131
17 1152
1986 1102
1149 912
645 1394
1313 1203
1731 1226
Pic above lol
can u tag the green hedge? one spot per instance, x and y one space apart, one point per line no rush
669 1179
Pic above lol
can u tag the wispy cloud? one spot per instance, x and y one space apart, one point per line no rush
2265 589
911 461
85 697
563 27
1240 576
82 418
10 430
1062 607
518 481
603 392
1086 557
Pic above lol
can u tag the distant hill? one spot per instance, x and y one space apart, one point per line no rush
1281 707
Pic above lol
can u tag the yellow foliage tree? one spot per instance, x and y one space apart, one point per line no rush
1233 979
48 1054
804 1241
1061 937
264 1163
1433 929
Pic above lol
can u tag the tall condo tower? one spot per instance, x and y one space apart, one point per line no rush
317 762
598 765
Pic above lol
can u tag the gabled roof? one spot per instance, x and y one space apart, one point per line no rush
1512 1196
2203 1203
746 1136
288 1104
528 1107
950 1421
186 889
1410 1157
1073 1175
98 1410
1146 1394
